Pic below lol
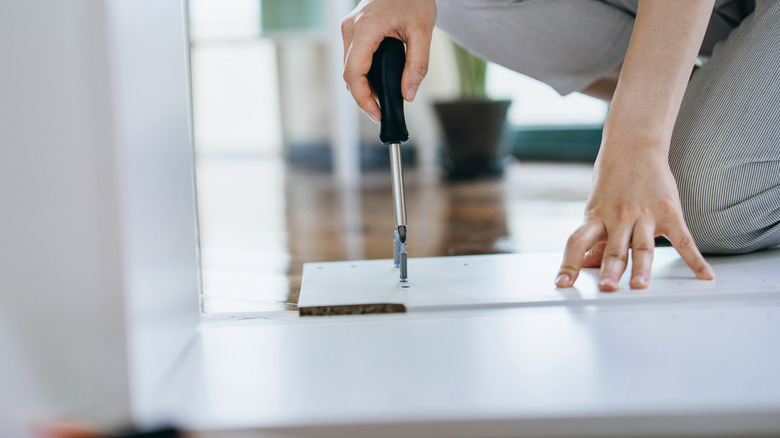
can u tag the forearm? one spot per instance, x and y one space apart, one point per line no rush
634 196
663 48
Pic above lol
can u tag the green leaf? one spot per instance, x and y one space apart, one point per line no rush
472 73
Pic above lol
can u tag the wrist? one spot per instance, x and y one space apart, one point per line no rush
635 138
633 153
636 117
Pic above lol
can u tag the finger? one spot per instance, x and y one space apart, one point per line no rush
615 257
579 242
356 67
683 242
642 246
346 35
418 50
594 256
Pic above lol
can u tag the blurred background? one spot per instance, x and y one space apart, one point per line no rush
289 171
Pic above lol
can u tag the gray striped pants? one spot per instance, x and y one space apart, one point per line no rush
725 149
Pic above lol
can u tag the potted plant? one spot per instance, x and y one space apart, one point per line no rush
473 125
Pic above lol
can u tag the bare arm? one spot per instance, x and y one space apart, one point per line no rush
634 197
663 48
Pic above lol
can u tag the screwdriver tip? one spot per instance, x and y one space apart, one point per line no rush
401 230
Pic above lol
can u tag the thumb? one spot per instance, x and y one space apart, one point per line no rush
418 50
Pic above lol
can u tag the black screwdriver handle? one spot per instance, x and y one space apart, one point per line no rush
385 77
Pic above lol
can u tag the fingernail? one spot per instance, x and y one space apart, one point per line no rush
707 271
563 280
604 282
373 117
412 93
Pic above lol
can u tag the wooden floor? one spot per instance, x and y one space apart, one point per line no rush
261 220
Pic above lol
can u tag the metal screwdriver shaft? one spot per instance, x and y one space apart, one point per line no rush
399 206
385 77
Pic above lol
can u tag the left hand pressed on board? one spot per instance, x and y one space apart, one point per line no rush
633 200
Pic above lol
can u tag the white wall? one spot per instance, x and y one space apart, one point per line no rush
97 215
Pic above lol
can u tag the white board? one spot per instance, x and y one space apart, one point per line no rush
558 367
511 280
607 371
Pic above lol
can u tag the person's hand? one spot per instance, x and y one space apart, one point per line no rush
634 199
410 21
634 196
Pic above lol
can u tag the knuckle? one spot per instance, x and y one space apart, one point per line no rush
624 213
616 255
575 239
568 269
668 207
347 78
419 31
362 22
644 246
420 68
346 25
350 75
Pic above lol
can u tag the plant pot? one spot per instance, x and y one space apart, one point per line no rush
473 144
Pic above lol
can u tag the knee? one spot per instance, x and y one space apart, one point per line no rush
730 208
721 224
721 232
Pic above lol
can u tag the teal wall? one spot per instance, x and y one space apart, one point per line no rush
556 143
287 15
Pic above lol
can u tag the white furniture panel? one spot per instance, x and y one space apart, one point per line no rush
510 280
553 371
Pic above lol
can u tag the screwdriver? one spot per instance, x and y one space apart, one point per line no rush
385 74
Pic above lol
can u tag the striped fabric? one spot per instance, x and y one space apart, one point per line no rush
725 150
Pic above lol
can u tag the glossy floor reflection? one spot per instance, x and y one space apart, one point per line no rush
261 220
